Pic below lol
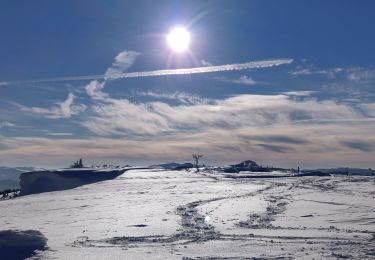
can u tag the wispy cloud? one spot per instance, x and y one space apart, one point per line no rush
361 75
330 72
4 124
243 80
180 97
123 61
111 116
350 84
301 93
63 109
217 145
275 148
353 74
359 145
284 139
206 63
122 117
266 128
94 90
60 134
155 73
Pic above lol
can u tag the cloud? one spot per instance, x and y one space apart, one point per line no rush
244 80
275 139
279 129
180 97
123 61
353 74
299 72
275 148
112 116
155 73
299 93
361 75
218 145
359 145
330 72
206 63
4 124
63 109
116 117
57 133
94 90
264 126
123 117
349 84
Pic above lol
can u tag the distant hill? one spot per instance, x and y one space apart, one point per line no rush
9 176
351 171
13 173
9 184
173 166
251 166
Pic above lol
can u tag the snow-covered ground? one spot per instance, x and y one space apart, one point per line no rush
159 214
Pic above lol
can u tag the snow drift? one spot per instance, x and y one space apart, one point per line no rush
44 181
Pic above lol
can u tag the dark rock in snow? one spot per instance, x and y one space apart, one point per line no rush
20 244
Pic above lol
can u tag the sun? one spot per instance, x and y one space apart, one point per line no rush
178 39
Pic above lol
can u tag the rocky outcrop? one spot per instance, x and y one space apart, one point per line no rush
248 165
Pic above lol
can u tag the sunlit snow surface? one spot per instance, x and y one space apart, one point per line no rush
158 214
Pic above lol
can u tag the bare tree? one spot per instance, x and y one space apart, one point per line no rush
196 158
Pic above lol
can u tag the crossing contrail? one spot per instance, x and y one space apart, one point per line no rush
156 73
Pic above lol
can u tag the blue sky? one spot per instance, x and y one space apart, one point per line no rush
308 102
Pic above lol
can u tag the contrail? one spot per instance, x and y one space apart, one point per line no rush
155 73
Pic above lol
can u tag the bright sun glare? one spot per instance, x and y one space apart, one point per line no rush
178 39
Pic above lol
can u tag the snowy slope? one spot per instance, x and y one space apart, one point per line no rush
159 214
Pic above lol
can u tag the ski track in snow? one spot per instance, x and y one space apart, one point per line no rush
162 214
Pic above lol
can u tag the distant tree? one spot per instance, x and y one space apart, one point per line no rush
78 164
196 158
